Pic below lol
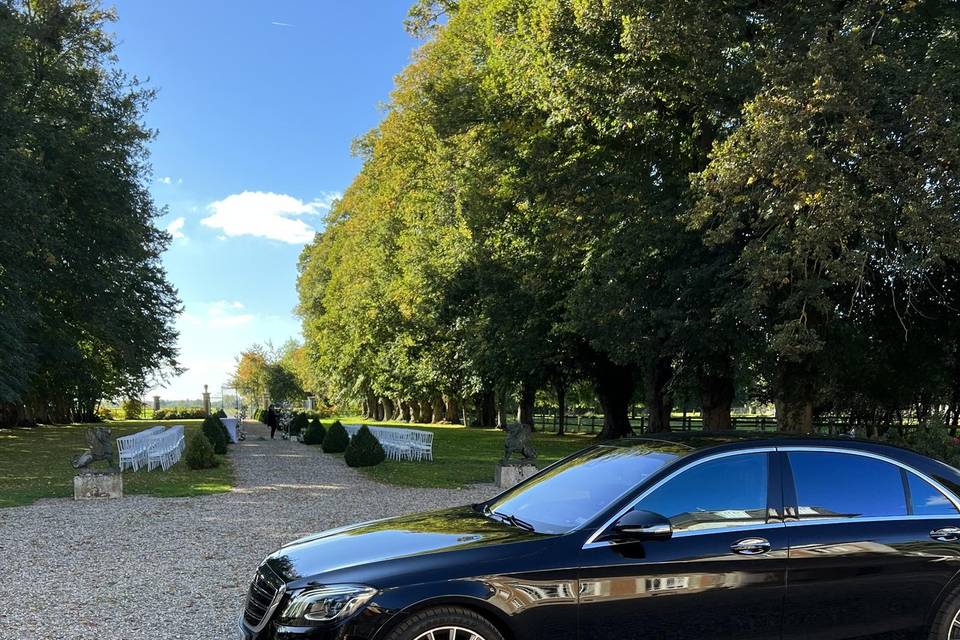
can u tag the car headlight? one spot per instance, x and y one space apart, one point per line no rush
324 604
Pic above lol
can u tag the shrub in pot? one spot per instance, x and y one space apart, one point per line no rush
314 433
216 433
337 439
198 453
364 450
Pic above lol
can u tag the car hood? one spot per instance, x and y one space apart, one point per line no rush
405 537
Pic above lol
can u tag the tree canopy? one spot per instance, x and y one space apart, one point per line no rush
653 196
86 311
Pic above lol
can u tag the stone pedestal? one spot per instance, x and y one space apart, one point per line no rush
510 474
93 484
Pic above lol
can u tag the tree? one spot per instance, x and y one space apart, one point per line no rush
86 311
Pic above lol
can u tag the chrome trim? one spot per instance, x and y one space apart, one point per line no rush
274 603
740 528
812 521
592 540
869 454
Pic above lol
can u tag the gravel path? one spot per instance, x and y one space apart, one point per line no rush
152 568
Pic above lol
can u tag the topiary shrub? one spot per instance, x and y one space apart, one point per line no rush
314 433
336 440
216 433
364 450
198 453
299 424
221 413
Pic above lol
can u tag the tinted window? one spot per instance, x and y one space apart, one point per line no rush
840 485
926 500
726 492
572 493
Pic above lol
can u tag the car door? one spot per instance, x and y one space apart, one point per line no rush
720 575
865 554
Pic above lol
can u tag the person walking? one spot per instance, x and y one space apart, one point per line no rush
272 421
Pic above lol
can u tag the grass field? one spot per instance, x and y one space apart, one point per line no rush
464 456
35 463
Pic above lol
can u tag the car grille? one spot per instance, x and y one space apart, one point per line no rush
262 599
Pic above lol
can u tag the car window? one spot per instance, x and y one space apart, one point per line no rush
842 485
926 500
574 492
726 492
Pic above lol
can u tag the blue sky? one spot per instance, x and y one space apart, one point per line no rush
257 105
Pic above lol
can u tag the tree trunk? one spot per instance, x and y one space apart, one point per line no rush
659 400
426 411
453 409
794 401
486 409
387 408
614 385
501 409
717 391
561 388
414 407
525 409
439 410
404 411
370 412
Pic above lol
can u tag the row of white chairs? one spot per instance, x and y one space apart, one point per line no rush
400 443
151 448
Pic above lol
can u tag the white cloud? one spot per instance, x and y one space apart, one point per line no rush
266 215
175 228
223 314
281 24
170 180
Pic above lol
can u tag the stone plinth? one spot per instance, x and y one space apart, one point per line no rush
509 474
93 484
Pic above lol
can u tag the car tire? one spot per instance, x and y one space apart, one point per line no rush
946 616
438 622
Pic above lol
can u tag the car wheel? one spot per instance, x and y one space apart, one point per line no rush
946 624
446 623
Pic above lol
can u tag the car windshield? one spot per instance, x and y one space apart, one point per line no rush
577 490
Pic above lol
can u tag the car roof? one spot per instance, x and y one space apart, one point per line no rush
704 444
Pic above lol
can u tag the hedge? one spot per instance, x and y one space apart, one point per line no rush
216 433
364 450
199 452
336 440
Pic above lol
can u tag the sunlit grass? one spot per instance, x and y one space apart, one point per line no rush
464 456
35 464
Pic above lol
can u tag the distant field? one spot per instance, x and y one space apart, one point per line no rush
35 464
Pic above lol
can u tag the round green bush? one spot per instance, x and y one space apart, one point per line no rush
314 433
364 450
336 440
299 424
216 433
198 453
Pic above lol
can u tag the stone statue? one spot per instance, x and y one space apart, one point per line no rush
518 441
101 448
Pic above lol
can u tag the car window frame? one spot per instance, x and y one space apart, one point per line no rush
774 498
791 503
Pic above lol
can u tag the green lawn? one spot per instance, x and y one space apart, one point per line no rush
464 456
35 463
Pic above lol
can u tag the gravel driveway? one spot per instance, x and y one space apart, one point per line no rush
145 567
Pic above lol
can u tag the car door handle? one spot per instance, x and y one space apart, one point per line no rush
946 534
751 546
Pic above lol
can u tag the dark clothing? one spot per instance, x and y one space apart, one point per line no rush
272 421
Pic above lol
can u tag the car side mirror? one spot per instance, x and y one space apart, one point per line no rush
640 525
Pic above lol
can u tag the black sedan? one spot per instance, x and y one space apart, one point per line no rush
704 538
